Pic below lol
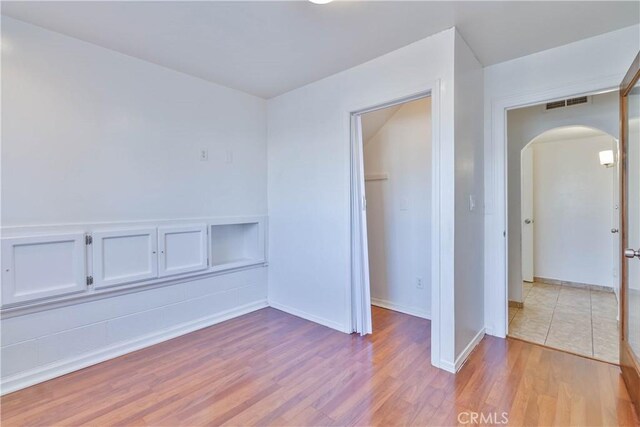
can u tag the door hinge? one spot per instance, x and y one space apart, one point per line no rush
88 239
89 280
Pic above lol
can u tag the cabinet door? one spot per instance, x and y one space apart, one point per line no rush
124 256
38 267
183 249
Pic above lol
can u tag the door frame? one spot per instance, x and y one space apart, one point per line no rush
496 230
629 364
357 291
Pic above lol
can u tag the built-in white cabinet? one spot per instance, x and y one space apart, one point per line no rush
40 266
182 249
237 244
124 256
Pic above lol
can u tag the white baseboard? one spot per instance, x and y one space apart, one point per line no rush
400 308
311 317
47 372
446 366
468 349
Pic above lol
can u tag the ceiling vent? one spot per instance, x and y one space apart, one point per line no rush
566 103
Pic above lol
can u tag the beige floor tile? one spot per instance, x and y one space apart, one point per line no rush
572 297
512 313
538 285
571 335
604 306
606 340
573 316
604 313
574 319
532 328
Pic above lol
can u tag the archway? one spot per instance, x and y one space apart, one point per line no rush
563 247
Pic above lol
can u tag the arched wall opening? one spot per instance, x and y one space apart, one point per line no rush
529 124
569 206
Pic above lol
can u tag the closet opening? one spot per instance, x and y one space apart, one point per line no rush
391 215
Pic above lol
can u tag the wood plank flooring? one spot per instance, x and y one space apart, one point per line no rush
271 368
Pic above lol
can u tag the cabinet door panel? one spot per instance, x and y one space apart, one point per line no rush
37 267
124 256
183 249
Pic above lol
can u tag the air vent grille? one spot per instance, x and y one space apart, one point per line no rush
566 102
576 101
556 104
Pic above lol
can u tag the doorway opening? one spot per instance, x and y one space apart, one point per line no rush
563 220
392 212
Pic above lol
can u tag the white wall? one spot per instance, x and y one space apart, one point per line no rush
584 66
523 125
573 207
469 220
309 181
93 135
90 135
399 209
309 233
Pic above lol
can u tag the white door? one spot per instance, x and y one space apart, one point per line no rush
361 292
527 222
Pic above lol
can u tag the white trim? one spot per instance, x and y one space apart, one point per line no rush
15 230
20 310
462 358
44 373
437 237
400 308
310 317
496 243
440 218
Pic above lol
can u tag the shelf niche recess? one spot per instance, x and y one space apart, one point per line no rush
236 245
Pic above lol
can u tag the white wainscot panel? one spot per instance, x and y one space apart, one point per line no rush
124 256
37 267
183 249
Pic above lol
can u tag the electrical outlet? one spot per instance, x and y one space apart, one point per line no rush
419 283
204 155
228 157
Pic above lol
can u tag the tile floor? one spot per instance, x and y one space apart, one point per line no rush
578 320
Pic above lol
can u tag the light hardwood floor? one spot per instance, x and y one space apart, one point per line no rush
271 368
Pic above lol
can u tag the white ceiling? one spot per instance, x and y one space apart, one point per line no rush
267 48
373 121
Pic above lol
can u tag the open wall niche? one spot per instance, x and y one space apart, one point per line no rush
237 244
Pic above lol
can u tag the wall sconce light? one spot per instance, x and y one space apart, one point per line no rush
606 158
